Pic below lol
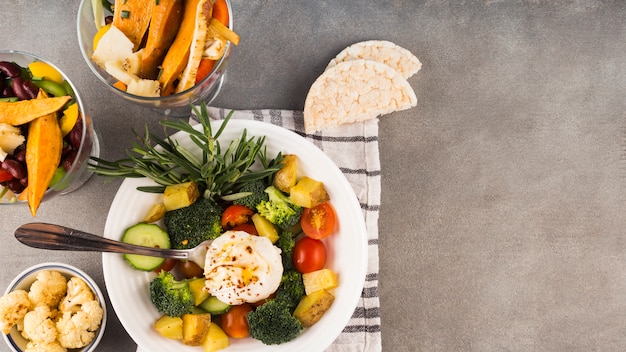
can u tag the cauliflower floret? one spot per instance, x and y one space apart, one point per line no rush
53 346
48 289
78 292
95 313
77 329
13 308
38 325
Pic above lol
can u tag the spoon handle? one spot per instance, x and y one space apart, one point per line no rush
57 237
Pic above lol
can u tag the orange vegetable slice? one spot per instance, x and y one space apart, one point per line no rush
43 154
132 17
188 76
220 11
178 54
24 111
166 18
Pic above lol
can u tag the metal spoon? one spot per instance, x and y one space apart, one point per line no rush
56 237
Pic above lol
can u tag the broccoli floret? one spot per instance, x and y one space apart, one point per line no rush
169 296
189 226
291 289
254 194
286 241
279 210
272 323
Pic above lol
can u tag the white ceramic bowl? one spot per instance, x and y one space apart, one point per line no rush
173 105
347 247
77 174
24 280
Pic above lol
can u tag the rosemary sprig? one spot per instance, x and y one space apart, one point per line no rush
165 161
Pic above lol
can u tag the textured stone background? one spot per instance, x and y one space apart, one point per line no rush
502 218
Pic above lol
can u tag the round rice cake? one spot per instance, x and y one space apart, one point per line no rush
387 52
355 91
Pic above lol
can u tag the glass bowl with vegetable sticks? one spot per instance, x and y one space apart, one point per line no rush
45 134
164 55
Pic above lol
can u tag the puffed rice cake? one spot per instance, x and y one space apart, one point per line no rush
354 91
384 51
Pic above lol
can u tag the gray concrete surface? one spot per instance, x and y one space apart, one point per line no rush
502 216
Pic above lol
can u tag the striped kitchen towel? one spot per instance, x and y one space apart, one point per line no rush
354 149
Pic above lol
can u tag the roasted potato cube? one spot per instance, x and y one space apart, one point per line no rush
195 328
170 327
285 178
265 228
196 286
308 193
180 195
323 279
313 306
216 339
155 213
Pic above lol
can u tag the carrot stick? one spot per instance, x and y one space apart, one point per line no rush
205 68
220 11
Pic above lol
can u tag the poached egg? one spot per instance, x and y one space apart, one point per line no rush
241 268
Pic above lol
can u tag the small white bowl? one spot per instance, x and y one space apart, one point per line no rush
24 280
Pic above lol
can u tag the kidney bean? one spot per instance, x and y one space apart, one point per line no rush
15 168
69 160
22 90
24 181
75 135
7 92
15 185
32 89
66 149
20 155
9 69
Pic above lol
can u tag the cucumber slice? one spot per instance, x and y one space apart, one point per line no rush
147 235
214 306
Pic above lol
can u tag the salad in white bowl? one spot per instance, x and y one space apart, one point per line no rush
322 255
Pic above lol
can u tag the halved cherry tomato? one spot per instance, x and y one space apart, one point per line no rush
235 215
5 176
235 323
247 227
319 222
309 255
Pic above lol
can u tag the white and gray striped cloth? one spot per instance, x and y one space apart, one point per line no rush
354 148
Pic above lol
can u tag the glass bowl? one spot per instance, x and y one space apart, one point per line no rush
84 136
25 279
177 105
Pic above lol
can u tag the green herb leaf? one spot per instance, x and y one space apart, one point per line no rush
167 162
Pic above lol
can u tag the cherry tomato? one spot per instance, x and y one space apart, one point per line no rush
235 323
5 176
309 255
167 265
247 227
190 269
319 222
235 215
